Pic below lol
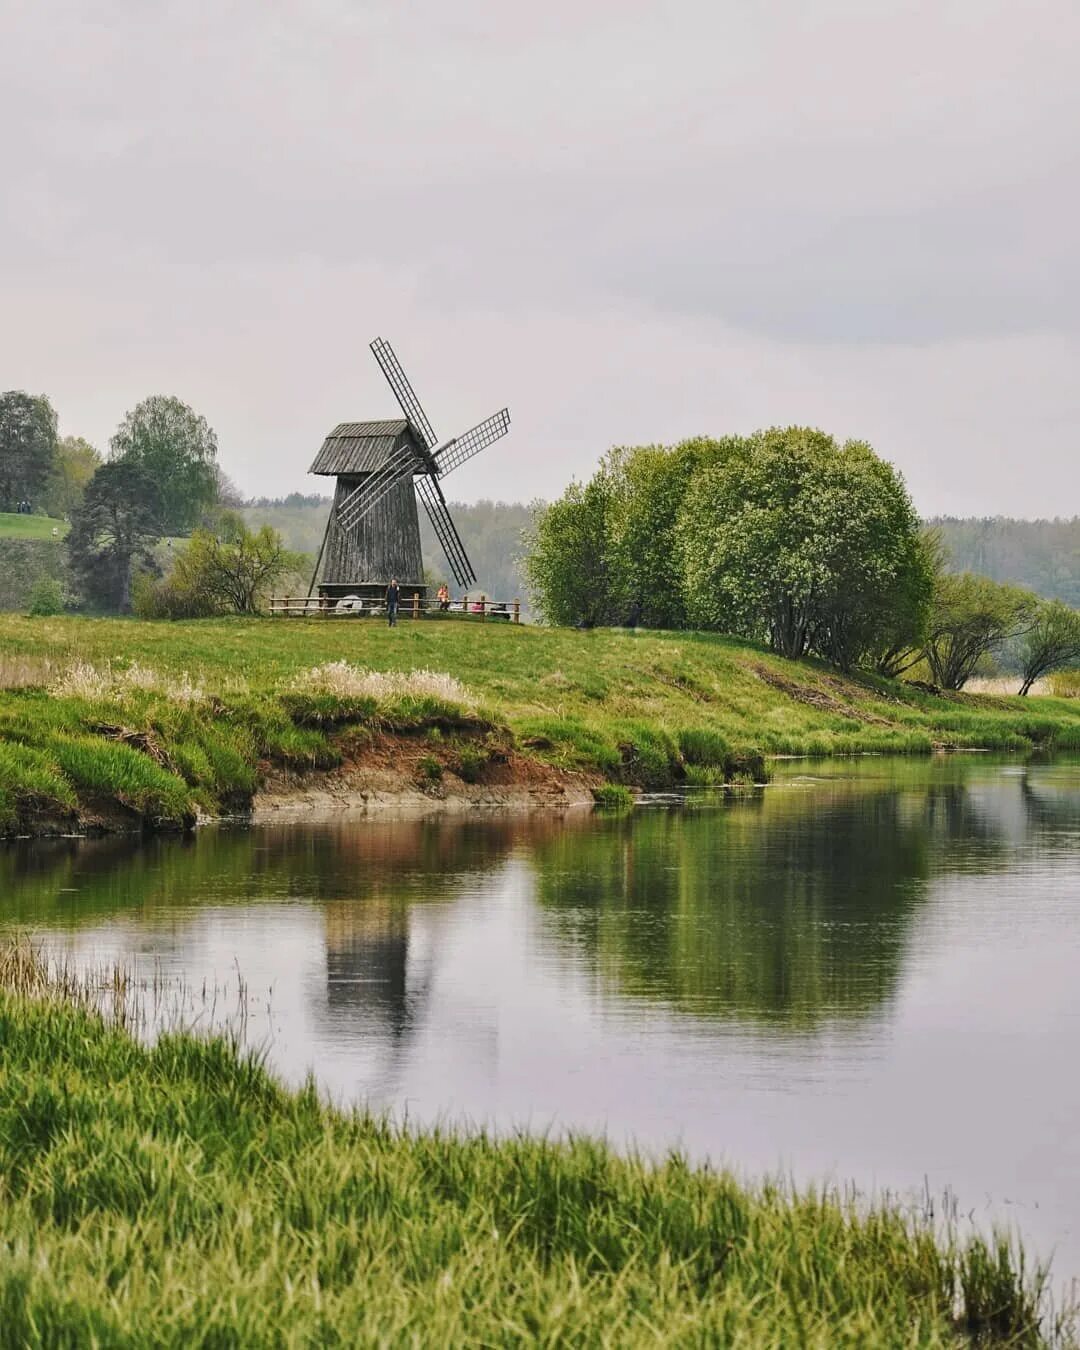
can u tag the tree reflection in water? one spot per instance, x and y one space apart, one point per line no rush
791 906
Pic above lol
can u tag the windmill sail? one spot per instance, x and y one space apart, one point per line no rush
403 392
400 465
470 443
429 492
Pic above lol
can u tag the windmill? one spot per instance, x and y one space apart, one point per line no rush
382 470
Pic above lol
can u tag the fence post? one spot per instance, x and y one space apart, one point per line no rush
517 611
483 609
416 604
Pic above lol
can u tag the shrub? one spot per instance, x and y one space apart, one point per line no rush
430 769
169 598
470 763
613 797
46 598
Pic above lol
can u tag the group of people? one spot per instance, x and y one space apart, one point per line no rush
23 508
442 599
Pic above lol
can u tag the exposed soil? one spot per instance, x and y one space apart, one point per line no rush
393 774
820 698
411 776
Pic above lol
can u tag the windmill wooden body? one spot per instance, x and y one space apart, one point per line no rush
382 469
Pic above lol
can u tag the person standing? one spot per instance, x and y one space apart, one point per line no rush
393 595
443 597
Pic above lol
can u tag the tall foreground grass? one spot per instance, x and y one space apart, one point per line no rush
179 1196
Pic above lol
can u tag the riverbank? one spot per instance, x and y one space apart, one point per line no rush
111 724
181 1188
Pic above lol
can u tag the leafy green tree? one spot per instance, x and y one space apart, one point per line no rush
903 624
1051 643
178 449
970 617
113 530
75 463
230 569
797 540
567 566
647 489
27 447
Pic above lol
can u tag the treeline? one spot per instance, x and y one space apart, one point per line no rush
161 482
785 537
1043 555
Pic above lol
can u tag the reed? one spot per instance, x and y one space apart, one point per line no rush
175 1194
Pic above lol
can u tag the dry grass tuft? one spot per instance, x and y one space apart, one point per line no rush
347 681
26 672
81 680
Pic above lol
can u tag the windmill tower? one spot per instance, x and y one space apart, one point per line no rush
382 469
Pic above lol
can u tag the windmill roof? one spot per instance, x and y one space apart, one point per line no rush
359 447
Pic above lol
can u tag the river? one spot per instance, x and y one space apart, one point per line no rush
867 972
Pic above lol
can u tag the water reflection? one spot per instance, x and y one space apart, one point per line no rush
866 970
788 906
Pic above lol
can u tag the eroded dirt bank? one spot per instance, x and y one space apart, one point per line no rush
389 774
406 776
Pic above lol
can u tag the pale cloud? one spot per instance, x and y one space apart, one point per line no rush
630 221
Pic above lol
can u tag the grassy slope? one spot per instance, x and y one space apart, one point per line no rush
642 708
14 526
179 1196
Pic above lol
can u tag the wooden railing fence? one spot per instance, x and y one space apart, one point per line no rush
412 606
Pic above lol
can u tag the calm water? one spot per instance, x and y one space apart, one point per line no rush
869 970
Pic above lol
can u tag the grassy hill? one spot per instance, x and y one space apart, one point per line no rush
13 526
169 718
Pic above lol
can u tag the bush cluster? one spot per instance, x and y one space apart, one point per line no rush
784 536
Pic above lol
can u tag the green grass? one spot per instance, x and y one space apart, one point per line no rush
14 526
179 1196
640 709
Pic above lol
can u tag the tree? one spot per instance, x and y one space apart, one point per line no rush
647 489
75 463
229 570
971 615
27 446
114 528
567 565
904 624
794 539
226 493
1052 641
178 449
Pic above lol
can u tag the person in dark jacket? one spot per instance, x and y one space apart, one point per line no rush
393 595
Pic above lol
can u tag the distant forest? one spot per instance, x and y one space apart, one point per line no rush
1043 555
491 532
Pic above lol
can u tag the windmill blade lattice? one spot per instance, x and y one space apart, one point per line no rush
403 392
430 494
471 442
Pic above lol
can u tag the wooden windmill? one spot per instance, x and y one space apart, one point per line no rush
382 468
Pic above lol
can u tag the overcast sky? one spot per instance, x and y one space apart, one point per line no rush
629 221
